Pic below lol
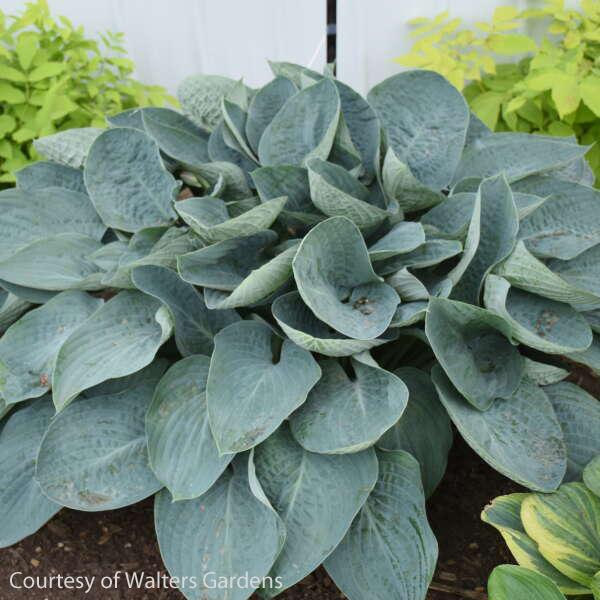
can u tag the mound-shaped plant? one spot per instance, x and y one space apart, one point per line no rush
268 313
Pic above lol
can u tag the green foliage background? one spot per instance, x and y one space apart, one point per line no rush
52 77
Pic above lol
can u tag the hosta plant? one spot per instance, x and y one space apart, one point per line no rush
268 310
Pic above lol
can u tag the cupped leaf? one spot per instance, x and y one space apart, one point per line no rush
24 507
591 475
519 437
274 382
94 456
127 182
317 497
337 282
344 414
402 238
69 147
120 338
429 254
45 174
510 582
390 550
471 345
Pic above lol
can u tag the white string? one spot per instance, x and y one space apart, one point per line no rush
317 51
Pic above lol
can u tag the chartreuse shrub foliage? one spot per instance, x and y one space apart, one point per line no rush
269 310
554 90
52 77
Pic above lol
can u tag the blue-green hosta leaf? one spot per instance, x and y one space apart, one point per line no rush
45 174
519 437
182 451
317 497
504 513
235 125
27 216
343 151
343 415
403 237
544 374
425 120
452 216
429 254
25 294
510 582
23 505
424 429
546 325
127 182
517 155
409 287
251 388
195 326
29 347
222 146
390 550
336 192
566 527
120 338
211 220
11 308
176 135
582 272
132 117
303 128
304 329
471 345
591 475
579 416
337 282
293 72
200 97
409 314
497 237
225 174
477 128
70 147
94 455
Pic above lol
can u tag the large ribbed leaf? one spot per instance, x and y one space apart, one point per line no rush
566 527
94 455
253 386
69 147
429 254
425 121
540 323
317 497
120 338
591 475
336 280
390 550
510 582
579 416
519 437
230 531
127 182
424 429
401 239
28 349
544 374
23 506
582 272
182 451
470 344
344 415
45 174
304 127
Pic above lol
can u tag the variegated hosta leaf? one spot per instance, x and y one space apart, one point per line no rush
127 182
23 506
343 414
317 497
390 550
336 280
303 128
425 121
402 238
275 381
566 527
429 254
497 238
45 174
211 220
70 147
579 416
504 513
517 155
195 326
230 531
303 328
182 451
28 349
508 582
546 325
120 338
176 135
28 216
471 345
94 456
519 437
542 373
424 429
591 475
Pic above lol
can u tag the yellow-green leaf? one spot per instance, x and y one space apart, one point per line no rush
511 43
590 93
27 45
11 74
10 94
565 93
7 124
49 69
487 107
505 13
